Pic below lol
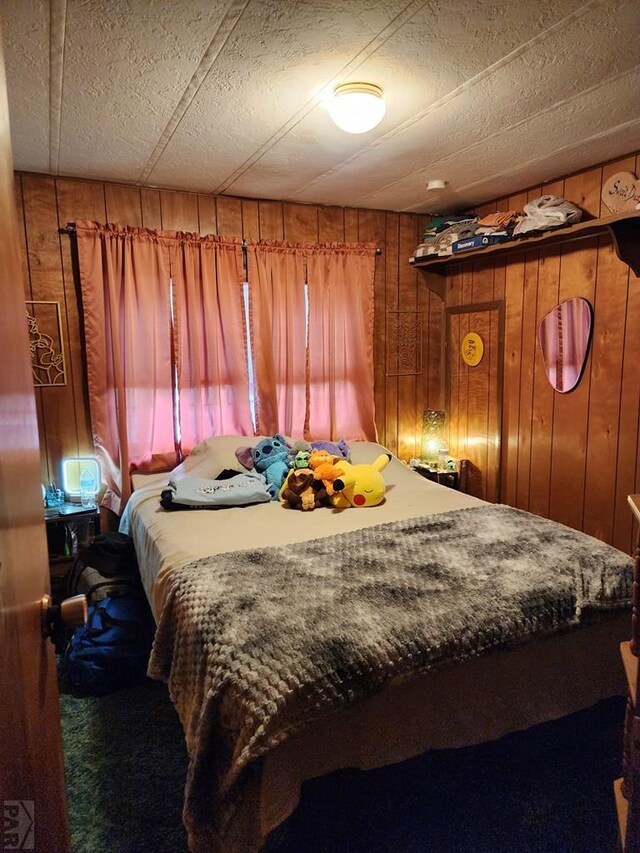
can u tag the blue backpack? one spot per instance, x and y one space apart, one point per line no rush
112 649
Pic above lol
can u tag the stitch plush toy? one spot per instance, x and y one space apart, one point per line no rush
359 485
269 457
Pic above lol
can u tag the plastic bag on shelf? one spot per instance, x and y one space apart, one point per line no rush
548 211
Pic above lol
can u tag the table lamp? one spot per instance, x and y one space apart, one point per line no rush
432 436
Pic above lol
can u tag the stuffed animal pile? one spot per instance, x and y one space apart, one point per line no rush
332 481
309 475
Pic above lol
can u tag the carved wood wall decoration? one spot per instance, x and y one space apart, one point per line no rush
45 344
404 343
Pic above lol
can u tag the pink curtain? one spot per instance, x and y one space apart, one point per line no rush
314 380
124 276
212 378
341 403
278 334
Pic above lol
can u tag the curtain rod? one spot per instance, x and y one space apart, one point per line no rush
70 228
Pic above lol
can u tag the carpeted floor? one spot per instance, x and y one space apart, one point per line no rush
548 790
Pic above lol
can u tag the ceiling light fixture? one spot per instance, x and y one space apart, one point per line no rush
357 107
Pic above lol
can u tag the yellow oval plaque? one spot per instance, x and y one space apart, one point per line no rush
472 349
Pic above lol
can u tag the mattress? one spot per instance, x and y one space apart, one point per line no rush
165 541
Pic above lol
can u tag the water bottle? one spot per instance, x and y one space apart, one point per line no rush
87 488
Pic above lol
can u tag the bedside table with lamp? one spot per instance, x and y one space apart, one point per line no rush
435 463
72 518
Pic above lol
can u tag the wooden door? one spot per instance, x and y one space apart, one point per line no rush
474 395
31 767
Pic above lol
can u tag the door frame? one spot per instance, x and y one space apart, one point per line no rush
32 784
474 308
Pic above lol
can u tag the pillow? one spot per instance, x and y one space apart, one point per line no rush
366 451
211 456
206 460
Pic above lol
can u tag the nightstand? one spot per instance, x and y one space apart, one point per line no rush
452 479
68 526
627 789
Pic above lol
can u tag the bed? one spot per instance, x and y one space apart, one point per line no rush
296 643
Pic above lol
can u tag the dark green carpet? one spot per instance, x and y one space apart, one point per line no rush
125 764
547 790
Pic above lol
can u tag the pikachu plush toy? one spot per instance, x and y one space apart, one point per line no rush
359 485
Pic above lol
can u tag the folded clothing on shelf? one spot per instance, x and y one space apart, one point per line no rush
438 224
461 230
499 222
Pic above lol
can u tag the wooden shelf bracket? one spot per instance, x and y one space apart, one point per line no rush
626 240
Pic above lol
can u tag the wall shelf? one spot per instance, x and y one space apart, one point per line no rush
624 229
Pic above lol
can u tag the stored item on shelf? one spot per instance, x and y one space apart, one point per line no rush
460 231
424 250
441 222
478 242
499 221
548 211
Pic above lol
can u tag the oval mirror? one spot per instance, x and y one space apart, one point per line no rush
564 336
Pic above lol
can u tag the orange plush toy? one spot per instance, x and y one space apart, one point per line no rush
324 469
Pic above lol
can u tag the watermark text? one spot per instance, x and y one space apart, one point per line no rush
17 825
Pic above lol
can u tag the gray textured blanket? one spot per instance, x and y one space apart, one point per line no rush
258 643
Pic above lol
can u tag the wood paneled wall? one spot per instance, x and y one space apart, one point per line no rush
572 457
408 317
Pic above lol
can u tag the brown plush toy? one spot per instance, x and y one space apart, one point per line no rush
301 491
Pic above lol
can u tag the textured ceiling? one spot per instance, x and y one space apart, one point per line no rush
227 97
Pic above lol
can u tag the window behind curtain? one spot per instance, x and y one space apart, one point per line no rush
277 320
210 346
182 347
312 338
341 399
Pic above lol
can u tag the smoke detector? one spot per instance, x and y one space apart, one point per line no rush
436 184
